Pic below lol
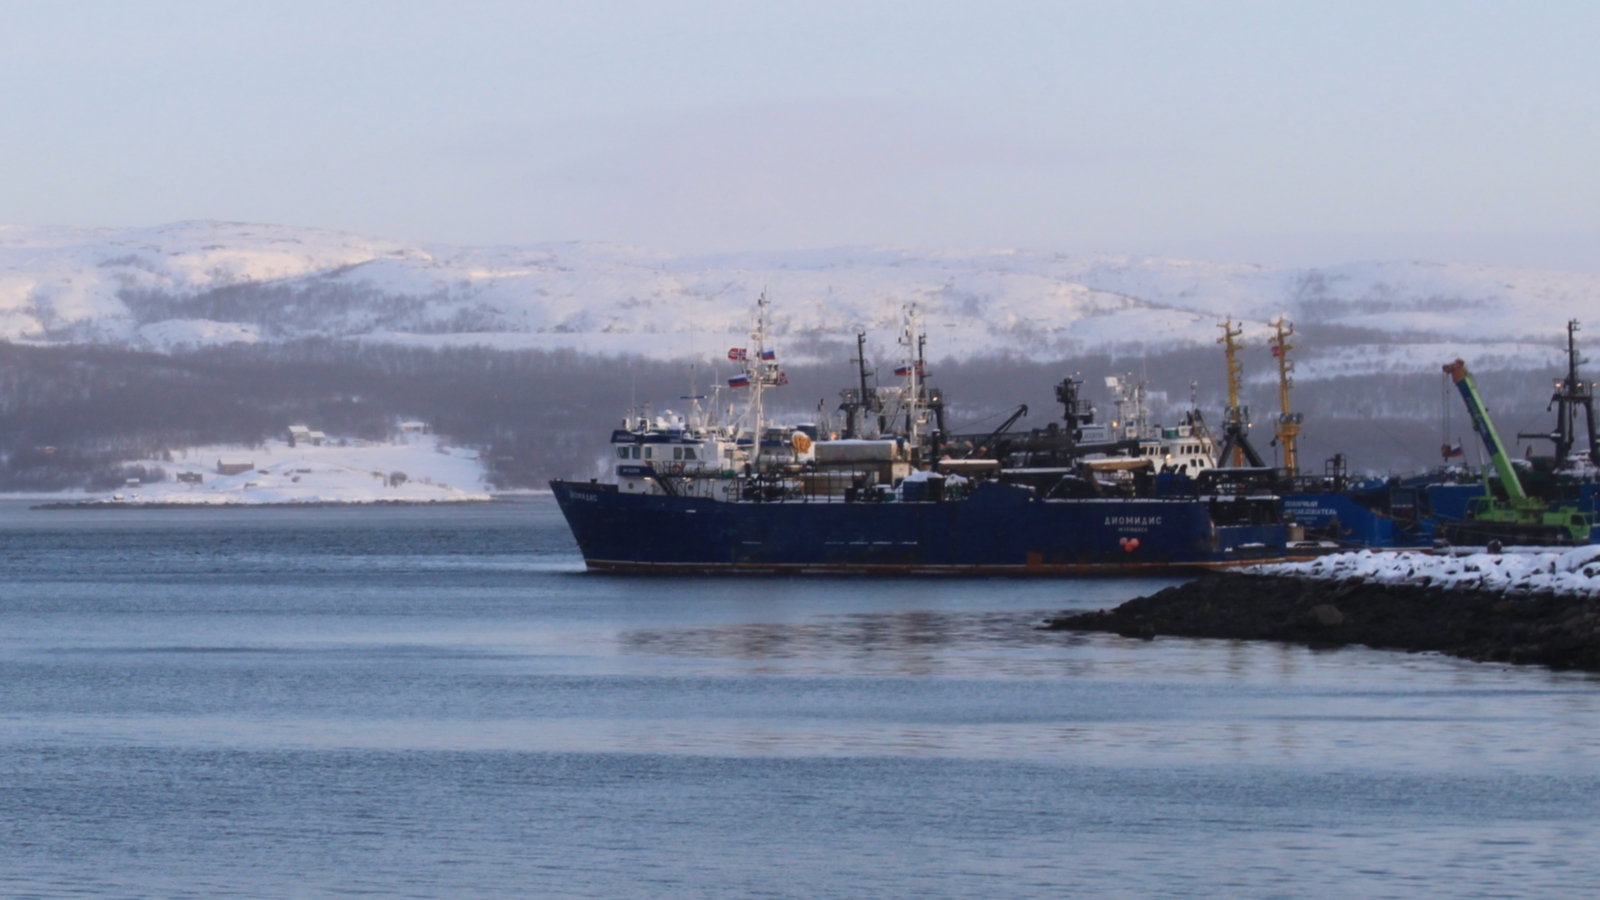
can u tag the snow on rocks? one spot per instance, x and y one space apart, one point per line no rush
1519 571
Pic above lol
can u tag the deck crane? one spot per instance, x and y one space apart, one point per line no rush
984 446
1517 519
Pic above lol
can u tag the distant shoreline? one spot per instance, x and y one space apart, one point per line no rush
308 504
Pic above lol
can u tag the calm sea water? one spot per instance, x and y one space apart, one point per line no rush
439 703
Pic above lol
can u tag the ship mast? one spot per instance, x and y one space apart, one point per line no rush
1571 393
1233 417
761 372
909 340
1236 418
857 402
857 410
932 398
757 366
1287 430
1579 394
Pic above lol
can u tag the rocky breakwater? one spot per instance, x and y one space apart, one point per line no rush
1527 607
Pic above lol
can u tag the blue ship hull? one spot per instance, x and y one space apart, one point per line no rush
1352 523
1356 521
998 529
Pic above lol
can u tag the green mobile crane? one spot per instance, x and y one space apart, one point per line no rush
1516 518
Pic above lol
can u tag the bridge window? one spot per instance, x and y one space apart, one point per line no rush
622 452
635 451
677 453
688 453
647 452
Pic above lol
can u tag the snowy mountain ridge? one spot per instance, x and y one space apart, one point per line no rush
199 283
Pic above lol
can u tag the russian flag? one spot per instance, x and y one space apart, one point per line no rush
769 355
1453 452
903 371
739 381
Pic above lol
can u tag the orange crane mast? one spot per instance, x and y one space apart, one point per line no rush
1233 418
1287 429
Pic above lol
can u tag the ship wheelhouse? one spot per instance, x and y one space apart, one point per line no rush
1183 449
699 457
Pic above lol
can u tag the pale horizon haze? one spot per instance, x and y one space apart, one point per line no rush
1284 134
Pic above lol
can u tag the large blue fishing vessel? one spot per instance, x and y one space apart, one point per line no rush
893 493
996 529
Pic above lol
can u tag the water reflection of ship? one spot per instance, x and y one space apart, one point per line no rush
905 642
891 491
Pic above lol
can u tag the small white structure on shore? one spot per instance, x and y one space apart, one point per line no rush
300 434
417 470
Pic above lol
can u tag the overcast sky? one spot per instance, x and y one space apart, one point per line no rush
1266 132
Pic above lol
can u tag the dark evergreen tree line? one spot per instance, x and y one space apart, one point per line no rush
70 414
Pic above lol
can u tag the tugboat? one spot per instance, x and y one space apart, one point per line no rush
894 494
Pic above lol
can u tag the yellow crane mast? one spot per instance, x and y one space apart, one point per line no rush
1233 419
1288 427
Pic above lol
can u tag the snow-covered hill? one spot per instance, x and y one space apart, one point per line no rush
196 283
